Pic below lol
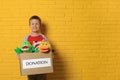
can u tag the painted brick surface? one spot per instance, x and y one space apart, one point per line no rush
84 33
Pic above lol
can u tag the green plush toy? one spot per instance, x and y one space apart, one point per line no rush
25 47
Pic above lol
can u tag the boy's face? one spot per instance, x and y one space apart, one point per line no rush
34 25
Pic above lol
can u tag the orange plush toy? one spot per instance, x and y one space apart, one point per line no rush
44 46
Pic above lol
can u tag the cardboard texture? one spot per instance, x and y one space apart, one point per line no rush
36 63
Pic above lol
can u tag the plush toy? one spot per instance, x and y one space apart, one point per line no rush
25 47
44 46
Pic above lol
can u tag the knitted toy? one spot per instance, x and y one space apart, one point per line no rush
25 47
44 46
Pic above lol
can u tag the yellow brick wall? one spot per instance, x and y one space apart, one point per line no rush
84 33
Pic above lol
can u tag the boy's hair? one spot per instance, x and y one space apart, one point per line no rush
35 17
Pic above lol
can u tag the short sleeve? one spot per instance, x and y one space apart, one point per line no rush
44 37
25 38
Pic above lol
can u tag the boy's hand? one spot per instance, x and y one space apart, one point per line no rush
18 56
53 53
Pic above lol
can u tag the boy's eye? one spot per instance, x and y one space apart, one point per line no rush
37 23
32 23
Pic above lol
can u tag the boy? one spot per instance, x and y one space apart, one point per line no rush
34 38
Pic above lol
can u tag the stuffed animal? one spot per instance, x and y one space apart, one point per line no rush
44 46
25 47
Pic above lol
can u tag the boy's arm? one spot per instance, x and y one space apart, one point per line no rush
46 39
25 39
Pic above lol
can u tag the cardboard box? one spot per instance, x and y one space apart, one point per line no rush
36 63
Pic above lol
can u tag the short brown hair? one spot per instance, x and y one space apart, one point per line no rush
35 17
